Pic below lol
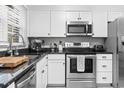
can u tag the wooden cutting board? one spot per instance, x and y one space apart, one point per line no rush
12 62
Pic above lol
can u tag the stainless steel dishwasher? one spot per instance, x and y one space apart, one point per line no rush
28 80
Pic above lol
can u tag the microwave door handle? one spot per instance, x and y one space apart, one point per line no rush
86 29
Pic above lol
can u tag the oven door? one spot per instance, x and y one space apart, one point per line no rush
71 66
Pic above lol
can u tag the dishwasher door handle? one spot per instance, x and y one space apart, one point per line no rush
19 85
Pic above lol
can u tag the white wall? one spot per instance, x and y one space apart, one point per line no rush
78 7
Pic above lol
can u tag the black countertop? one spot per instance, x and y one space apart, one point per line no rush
7 76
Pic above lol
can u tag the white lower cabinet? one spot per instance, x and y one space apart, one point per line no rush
56 73
104 65
41 73
56 70
44 78
104 69
104 77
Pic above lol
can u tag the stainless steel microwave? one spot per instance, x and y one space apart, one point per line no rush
79 28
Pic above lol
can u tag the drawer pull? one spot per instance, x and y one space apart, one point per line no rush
104 78
42 71
104 65
104 57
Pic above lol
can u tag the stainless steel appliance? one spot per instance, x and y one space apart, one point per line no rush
28 80
79 28
80 79
99 48
115 44
77 44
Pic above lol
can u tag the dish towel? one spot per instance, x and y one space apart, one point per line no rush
81 63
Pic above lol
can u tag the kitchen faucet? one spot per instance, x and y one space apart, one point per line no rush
10 44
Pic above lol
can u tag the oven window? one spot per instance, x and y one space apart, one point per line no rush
88 65
76 28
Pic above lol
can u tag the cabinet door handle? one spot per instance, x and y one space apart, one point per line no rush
63 63
104 77
103 56
42 71
48 33
79 18
104 65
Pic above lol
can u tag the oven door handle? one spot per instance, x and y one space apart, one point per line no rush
19 85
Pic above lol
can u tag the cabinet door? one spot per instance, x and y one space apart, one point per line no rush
58 24
114 15
100 24
86 16
56 73
72 16
39 23
39 75
44 80
79 16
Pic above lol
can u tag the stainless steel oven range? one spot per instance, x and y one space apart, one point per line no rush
80 70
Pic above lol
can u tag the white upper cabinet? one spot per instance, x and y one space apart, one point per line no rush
100 24
79 16
58 24
86 16
72 16
39 23
114 15
56 69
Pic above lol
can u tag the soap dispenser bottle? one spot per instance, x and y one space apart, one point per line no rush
60 46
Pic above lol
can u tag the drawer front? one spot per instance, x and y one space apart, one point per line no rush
80 83
104 65
104 77
104 56
56 56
